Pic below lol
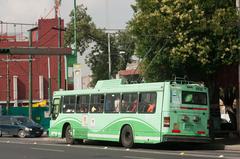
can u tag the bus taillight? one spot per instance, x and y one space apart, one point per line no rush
166 122
200 132
176 131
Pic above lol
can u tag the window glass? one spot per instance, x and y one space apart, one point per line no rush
196 98
129 102
82 104
69 104
5 121
147 102
112 103
96 104
175 96
56 108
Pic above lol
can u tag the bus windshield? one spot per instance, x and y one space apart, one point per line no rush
197 98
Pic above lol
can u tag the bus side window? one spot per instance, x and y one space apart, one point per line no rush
96 104
129 102
82 104
147 102
68 104
112 103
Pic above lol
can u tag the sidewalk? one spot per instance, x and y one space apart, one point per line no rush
230 143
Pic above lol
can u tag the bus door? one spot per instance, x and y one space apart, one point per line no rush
189 112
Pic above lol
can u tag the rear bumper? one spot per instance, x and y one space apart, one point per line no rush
194 139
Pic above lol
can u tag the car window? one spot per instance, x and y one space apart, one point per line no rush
22 120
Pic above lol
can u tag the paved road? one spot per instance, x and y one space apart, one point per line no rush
15 148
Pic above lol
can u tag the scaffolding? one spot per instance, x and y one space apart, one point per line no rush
12 32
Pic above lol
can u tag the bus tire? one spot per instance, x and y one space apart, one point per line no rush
127 137
68 135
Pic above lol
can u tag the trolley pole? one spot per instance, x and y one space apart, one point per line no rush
30 77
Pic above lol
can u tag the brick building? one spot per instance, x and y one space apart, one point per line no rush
44 34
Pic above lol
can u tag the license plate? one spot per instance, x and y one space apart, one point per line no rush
188 126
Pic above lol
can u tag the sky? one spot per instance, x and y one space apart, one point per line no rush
111 14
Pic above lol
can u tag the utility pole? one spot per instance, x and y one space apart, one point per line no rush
30 77
109 57
238 107
8 85
59 57
49 83
75 27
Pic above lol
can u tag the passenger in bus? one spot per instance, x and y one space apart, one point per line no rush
108 106
117 104
81 109
151 108
93 109
124 106
134 106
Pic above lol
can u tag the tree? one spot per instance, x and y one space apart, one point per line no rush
89 36
191 38
98 58
85 29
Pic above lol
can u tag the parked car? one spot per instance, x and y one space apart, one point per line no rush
19 126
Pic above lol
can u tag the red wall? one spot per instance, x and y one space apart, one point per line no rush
43 36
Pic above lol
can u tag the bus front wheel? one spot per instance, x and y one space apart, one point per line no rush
68 135
69 138
127 137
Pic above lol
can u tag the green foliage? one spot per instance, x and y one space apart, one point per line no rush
85 28
193 37
98 58
88 36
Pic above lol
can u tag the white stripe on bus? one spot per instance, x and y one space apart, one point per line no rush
117 137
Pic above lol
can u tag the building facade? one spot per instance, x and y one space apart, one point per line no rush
15 68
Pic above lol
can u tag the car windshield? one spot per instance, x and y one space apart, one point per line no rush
23 120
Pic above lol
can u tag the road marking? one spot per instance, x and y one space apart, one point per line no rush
189 154
137 157
52 150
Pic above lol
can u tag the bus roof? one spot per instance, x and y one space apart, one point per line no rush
119 85
116 85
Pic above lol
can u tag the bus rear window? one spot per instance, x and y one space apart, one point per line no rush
197 98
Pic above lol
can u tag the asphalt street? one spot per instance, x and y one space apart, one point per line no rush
31 148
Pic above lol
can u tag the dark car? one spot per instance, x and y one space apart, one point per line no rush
19 126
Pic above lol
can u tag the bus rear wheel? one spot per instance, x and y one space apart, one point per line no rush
127 137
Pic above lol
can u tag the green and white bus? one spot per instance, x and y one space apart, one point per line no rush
132 113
